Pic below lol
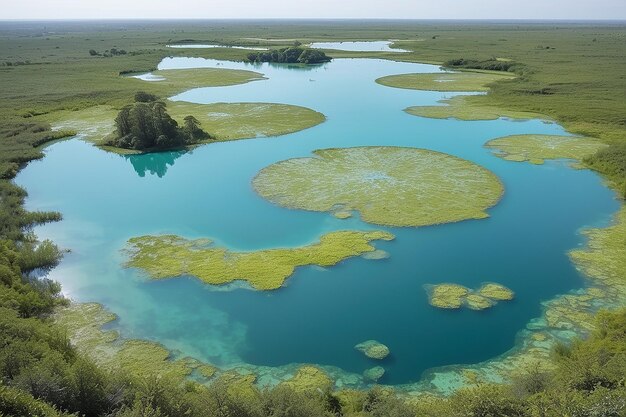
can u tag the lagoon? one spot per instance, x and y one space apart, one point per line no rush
321 314
363 46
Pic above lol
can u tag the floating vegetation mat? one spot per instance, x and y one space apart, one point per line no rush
462 108
373 349
444 81
230 121
456 296
537 148
387 185
168 256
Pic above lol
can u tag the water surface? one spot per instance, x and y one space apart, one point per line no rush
321 313
368 46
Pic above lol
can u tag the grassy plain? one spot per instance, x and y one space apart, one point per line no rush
386 185
465 108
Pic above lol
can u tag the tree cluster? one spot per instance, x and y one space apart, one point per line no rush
108 53
292 55
146 125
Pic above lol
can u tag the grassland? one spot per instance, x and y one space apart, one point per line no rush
170 256
537 148
386 185
448 81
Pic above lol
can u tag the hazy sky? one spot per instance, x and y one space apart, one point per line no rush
413 9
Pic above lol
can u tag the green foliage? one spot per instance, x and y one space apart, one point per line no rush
146 125
291 55
488 64
611 161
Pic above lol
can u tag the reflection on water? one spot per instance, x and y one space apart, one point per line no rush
153 163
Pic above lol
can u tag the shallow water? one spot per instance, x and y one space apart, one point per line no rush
322 313
208 46
372 46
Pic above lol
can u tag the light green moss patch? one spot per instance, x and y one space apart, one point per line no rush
373 349
139 358
478 302
495 292
309 378
230 121
170 256
185 79
460 108
388 185
447 295
374 374
444 81
93 123
536 148
457 296
207 371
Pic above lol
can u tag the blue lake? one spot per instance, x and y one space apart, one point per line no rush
320 314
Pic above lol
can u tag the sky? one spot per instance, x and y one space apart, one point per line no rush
405 9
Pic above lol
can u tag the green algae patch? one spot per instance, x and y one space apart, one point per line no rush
185 79
374 374
478 302
537 148
461 108
93 123
444 81
139 358
496 292
231 121
447 295
169 256
373 349
452 296
309 378
387 185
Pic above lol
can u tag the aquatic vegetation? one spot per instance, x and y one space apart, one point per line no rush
377 254
477 302
84 321
447 295
536 148
387 185
455 296
230 121
374 374
462 108
185 79
445 81
169 256
309 378
373 349
495 292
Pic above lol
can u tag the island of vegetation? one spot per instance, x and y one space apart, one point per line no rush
464 108
387 185
456 296
291 55
373 349
444 81
169 256
146 126
537 148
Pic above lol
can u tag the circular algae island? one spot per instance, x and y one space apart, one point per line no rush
373 349
387 185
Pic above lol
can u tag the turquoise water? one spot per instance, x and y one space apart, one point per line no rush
322 313
368 46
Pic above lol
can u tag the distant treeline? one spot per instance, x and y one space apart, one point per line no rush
146 125
291 55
